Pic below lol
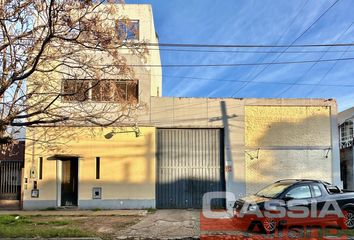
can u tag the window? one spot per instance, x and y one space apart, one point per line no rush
98 160
346 133
128 29
75 90
40 163
115 91
273 190
317 191
299 192
104 90
333 189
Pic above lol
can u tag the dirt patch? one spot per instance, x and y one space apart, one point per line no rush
100 226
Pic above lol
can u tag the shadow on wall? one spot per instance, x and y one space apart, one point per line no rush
186 193
288 146
189 192
126 168
130 175
85 145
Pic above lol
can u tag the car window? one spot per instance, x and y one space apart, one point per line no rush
317 191
274 189
299 192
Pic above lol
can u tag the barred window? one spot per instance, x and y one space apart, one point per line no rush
128 29
104 90
115 91
75 90
346 130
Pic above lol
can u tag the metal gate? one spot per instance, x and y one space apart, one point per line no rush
189 163
10 180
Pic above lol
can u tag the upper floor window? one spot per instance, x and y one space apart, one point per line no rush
75 90
346 133
114 91
104 90
128 29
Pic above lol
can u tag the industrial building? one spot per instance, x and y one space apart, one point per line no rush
181 148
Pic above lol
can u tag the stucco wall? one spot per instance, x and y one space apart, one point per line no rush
296 137
207 113
149 78
127 163
287 142
147 33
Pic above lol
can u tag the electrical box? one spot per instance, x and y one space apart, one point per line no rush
35 193
33 173
96 193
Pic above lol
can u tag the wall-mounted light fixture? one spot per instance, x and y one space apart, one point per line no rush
135 129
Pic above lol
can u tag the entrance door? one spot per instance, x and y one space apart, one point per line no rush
69 184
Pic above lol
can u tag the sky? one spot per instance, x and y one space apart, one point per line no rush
258 22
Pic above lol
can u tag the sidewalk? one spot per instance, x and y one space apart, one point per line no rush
76 212
165 224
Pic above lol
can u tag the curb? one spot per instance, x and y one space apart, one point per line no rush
74 238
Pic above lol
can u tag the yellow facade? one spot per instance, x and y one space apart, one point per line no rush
286 142
287 126
127 162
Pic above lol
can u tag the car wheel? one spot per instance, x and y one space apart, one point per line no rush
269 225
349 219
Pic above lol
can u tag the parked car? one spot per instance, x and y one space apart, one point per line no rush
294 196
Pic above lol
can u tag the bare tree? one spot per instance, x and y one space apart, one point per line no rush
60 64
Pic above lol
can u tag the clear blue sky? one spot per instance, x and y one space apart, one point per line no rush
257 22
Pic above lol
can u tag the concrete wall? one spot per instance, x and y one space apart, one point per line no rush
265 140
147 33
127 166
286 142
292 134
208 113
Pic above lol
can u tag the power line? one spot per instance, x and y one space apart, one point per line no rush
291 45
283 34
229 64
326 74
194 45
244 81
236 64
314 64
242 51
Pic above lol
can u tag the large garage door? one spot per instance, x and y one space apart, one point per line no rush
189 164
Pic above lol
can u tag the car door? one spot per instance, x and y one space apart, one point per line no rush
320 198
298 196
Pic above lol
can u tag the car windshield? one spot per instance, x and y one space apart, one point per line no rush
273 190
